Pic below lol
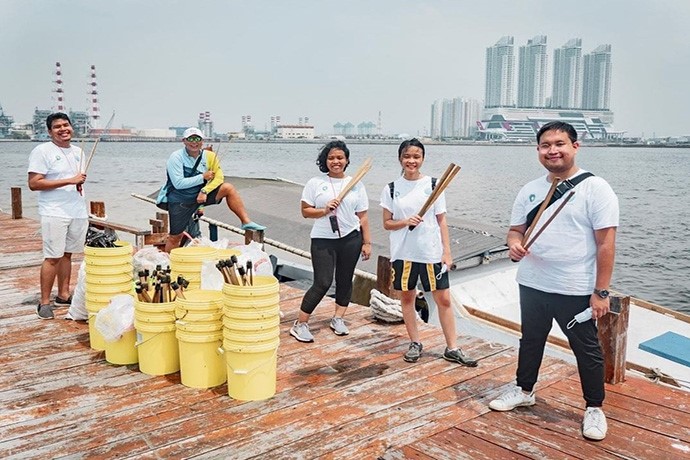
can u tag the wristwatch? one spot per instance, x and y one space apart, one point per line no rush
203 191
603 293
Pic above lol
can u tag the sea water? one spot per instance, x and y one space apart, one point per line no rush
653 254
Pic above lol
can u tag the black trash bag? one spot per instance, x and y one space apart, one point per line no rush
422 306
101 238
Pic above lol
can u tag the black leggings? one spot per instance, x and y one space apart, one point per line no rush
537 311
328 255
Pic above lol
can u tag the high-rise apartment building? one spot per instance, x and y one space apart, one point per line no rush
500 69
532 73
567 75
596 82
455 118
436 115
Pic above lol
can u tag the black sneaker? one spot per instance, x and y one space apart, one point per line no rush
61 302
457 356
45 311
413 353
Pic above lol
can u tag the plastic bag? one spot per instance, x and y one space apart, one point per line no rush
148 258
117 318
101 238
222 243
77 309
211 277
261 263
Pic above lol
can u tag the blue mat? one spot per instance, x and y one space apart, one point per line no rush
671 346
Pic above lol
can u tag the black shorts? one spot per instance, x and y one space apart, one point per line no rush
180 213
406 274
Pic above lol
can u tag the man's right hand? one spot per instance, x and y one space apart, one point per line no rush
209 175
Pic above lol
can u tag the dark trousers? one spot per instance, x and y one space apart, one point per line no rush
537 311
329 255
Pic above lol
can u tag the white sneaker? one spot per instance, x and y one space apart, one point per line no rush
594 424
338 326
301 332
511 399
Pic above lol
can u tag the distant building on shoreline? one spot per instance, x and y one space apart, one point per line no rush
454 118
5 124
581 91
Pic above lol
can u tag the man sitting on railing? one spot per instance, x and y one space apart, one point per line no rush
195 179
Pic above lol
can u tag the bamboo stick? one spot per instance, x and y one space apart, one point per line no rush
442 184
93 150
544 205
361 172
553 216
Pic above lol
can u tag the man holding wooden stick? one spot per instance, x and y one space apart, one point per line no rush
565 272
55 171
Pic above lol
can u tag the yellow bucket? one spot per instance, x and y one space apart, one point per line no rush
110 280
157 348
94 262
251 337
122 351
192 254
258 303
150 307
96 340
121 248
111 289
95 307
253 324
201 360
203 315
264 285
200 305
251 313
109 270
147 312
151 317
224 254
101 298
203 327
251 369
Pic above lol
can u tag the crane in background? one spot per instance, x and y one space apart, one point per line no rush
104 134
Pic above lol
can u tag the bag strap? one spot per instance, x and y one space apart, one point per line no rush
561 190
198 160
391 186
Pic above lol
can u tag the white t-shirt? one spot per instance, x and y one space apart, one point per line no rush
58 163
322 189
423 244
563 259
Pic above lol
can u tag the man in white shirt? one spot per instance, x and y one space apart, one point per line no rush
55 171
566 271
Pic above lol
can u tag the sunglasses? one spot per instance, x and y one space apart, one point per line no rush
194 139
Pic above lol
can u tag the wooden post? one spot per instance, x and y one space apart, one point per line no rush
97 208
163 217
254 235
212 232
16 202
384 278
613 336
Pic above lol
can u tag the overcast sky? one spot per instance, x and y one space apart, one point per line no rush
161 62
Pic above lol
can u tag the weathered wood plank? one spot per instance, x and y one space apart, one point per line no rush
340 397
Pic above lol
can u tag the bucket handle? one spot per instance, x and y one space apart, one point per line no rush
136 344
221 350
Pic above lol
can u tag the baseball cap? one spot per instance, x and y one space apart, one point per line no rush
192 132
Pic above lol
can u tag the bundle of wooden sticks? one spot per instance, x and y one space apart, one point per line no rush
451 171
164 289
234 273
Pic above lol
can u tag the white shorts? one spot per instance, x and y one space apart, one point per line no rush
61 235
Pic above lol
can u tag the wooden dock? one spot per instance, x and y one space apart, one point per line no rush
341 397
